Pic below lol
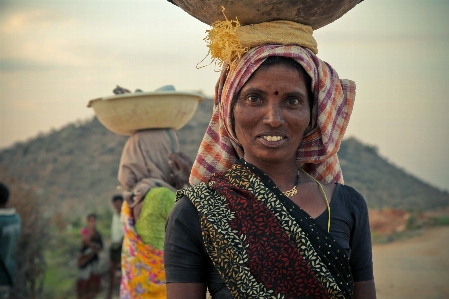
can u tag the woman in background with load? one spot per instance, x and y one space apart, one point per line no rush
151 169
268 215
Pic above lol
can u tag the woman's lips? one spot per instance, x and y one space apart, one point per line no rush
272 140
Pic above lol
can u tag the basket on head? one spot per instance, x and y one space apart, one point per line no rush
315 13
129 112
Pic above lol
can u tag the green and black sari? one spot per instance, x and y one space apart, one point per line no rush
263 245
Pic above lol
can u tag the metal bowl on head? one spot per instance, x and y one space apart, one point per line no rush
315 13
127 113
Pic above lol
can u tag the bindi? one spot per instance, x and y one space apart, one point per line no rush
276 93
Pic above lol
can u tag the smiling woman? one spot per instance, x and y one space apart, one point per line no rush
272 112
258 221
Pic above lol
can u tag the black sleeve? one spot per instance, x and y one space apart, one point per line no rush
185 258
361 259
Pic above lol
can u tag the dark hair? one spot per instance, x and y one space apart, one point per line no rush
4 194
93 215
117 197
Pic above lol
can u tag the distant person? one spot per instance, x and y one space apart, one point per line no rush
89 276
10 229
151 169
115 251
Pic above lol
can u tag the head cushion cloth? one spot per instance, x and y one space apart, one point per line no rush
333 102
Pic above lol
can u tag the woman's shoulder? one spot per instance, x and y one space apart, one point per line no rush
183 208
353 199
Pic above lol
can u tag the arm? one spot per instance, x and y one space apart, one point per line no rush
177 290
365 290
180 165
185 260
361 250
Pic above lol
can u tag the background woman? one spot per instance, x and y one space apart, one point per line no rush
268 216
89 275
151 169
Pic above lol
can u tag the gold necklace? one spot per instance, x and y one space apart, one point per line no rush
325 197
293 190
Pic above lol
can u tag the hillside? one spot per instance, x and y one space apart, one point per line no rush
382 183
75 168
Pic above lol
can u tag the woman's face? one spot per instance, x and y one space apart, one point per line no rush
271 114
91 222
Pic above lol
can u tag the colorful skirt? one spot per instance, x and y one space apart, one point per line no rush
143 274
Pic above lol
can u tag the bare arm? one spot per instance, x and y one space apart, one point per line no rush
180 165
364 290
178 290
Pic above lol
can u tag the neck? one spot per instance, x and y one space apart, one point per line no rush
283 174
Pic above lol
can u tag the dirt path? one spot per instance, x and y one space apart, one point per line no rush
414 268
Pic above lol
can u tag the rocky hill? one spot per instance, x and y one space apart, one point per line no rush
75 168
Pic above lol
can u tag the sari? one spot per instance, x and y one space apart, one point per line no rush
262 244
143 166
143 274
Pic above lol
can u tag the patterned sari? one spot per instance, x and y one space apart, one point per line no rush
263 245
143 274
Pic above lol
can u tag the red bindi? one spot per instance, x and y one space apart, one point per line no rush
276 93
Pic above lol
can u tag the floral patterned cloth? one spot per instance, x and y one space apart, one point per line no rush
143 274
262 244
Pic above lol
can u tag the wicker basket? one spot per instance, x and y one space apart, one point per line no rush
127 113
315 13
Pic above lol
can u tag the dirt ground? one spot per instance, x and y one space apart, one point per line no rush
413 268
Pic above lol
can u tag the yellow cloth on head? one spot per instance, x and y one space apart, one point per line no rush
228 40
277 33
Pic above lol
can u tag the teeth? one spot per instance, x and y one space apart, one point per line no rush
272 138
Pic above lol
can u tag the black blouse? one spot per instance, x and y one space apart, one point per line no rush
186 259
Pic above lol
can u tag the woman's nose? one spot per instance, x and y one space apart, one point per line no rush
273 115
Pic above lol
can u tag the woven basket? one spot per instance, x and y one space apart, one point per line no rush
315 13
127 113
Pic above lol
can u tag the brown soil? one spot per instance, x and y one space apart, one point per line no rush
388 221
414 268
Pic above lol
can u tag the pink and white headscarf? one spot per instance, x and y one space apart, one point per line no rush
317 154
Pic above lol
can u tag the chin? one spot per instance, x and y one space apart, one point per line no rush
271 158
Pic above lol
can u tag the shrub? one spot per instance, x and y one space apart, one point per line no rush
30 261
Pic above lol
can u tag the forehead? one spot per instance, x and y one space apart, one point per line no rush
281 73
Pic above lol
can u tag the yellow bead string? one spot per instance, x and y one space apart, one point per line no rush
325 197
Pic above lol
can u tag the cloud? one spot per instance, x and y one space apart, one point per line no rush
32 20
370 39
23 64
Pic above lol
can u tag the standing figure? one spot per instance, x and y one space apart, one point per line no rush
115 251
268 215
151 169
89 276
10 229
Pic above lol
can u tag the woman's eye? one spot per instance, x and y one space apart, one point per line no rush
253 98
293 101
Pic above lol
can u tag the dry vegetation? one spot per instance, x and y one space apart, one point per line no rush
31 264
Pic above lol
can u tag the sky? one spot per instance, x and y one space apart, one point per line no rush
57 55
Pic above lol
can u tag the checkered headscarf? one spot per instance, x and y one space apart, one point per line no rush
333 102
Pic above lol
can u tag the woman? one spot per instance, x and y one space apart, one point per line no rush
89 276
151 168
258 223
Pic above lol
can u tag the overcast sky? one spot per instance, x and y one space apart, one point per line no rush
57 55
